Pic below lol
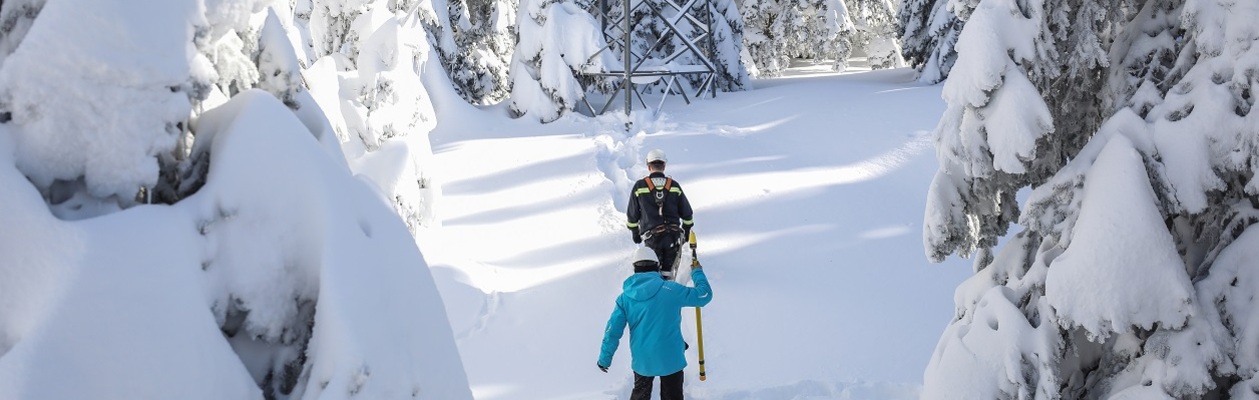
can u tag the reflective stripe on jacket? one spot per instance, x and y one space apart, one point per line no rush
642 212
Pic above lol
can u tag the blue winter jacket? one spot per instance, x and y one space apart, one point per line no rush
652 308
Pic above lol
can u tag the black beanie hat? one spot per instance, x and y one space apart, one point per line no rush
646 266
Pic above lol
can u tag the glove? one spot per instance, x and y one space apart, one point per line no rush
686 232
602 368
634 235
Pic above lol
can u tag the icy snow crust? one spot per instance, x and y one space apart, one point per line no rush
279 223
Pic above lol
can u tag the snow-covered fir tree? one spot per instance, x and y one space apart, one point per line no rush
876 33
1128 278
391 90
483 35
764 32
60 106
330 26
390 100
732 73
929 31
558 39
104 122
279 72
779 30
15 19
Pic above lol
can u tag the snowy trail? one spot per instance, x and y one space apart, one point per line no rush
809 216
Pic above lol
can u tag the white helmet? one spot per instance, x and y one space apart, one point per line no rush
656 155
644 253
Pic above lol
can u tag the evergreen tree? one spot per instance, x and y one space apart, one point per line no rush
765 32
876 33
557 40
1128 280
16 17
390 89
929 32
330 26
236 71
732 74
484 35
61 99
780 30
832 20
278 70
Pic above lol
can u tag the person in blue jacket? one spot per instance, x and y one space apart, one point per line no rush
652 306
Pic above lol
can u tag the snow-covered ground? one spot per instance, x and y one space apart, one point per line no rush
809 196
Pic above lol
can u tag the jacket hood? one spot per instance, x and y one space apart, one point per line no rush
643 285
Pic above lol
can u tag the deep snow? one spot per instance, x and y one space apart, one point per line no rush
809 195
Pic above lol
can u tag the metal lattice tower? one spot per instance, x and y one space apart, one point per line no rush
641 71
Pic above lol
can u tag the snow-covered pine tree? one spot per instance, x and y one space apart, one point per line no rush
929 32
279 72
732 74
763 35
831 24
498 19
778 31
460 34
801 36
557 40
876 33
391 91
1129 280
987 139
236 72
331 26
16 17
61 96
484 38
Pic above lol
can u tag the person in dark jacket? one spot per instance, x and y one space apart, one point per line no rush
659 213
651 307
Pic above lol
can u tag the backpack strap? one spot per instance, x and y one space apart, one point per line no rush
651 185
657 193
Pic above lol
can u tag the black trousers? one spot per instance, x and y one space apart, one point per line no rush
666 247
670 387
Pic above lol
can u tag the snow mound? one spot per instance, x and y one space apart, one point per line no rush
316 284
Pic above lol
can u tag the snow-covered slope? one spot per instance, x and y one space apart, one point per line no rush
809 193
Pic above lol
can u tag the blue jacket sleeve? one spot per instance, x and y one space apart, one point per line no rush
612 334
699 295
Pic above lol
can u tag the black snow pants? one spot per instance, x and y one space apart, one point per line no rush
670 387
666 246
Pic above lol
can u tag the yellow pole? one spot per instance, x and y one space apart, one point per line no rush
699 332
699 325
